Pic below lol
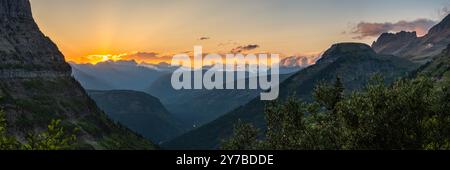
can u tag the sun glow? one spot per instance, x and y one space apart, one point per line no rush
166 58
97 58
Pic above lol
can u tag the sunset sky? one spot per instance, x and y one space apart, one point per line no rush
154 30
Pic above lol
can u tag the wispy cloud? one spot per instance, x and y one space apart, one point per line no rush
372 29
204 38
240 49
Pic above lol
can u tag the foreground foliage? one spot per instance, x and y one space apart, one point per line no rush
408 115
54 138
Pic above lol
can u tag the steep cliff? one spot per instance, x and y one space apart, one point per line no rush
395 43
36 86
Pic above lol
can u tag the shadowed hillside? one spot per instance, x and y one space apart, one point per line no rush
140 112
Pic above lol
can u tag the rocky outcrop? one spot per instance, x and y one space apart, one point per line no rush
394 44
15 9
417 49
36 86
22 44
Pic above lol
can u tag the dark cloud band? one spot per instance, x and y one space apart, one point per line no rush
244 48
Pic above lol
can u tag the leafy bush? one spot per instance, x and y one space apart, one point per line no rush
54 138
6 142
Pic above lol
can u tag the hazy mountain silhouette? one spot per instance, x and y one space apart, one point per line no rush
197 107
120 75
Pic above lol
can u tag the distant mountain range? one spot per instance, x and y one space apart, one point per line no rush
129 75
197 107
120 75
354 63
193 107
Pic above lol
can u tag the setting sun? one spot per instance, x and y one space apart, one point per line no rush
94 59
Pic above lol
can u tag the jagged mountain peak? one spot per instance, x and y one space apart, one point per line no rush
417 49
391 37
400 34
394 43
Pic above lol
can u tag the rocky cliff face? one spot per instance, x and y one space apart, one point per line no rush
395 44
17 8
36 86
22 44
417 49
